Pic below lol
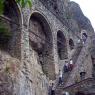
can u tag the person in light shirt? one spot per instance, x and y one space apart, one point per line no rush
71 65
67 93
60 77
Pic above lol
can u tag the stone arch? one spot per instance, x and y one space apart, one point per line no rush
41 41
71 44
12 23
61 45
84 34
84 37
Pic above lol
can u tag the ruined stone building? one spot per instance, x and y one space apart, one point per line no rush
37 42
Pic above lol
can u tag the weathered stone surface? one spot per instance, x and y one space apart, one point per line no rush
38 46
77 14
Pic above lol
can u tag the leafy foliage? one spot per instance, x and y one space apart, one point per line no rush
24 3
1 6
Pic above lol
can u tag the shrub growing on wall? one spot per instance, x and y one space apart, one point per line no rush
5 34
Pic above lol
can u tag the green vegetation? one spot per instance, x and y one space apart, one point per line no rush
24 3
5 33
7 69
4 29
1 6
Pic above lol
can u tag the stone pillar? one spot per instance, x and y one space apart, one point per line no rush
25 81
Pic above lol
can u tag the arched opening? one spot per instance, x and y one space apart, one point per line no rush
84 34
61 46
40 37
84 37
71 44
10 34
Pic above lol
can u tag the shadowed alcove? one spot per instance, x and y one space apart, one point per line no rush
71 44
61 46
40 37
10 33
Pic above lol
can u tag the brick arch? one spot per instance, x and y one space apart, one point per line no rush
12 21
41 41
61 45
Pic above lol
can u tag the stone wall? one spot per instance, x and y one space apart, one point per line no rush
35 71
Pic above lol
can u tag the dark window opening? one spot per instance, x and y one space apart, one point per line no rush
82 75
84 37
61 46
71 44
10 29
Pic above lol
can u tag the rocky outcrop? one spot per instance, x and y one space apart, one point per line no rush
30 75
9 74
69 13
77 14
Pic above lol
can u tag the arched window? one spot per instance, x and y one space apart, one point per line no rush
71 44
84 34
40 37
61 46
84 37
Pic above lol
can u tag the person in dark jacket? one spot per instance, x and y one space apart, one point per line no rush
53 89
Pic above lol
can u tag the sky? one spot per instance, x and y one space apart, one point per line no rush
88 8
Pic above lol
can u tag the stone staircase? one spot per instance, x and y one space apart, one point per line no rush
69 78
86 85
75 55
77 52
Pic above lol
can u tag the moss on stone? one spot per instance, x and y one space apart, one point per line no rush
5 34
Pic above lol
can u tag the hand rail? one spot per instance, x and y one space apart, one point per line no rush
79 83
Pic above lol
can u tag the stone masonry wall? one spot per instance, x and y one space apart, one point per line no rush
30 78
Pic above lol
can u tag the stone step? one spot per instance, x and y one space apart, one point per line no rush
81 55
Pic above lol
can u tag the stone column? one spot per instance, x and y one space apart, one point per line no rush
25 81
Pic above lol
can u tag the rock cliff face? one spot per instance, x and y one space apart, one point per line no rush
9 74
42 37
77 14
68 12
